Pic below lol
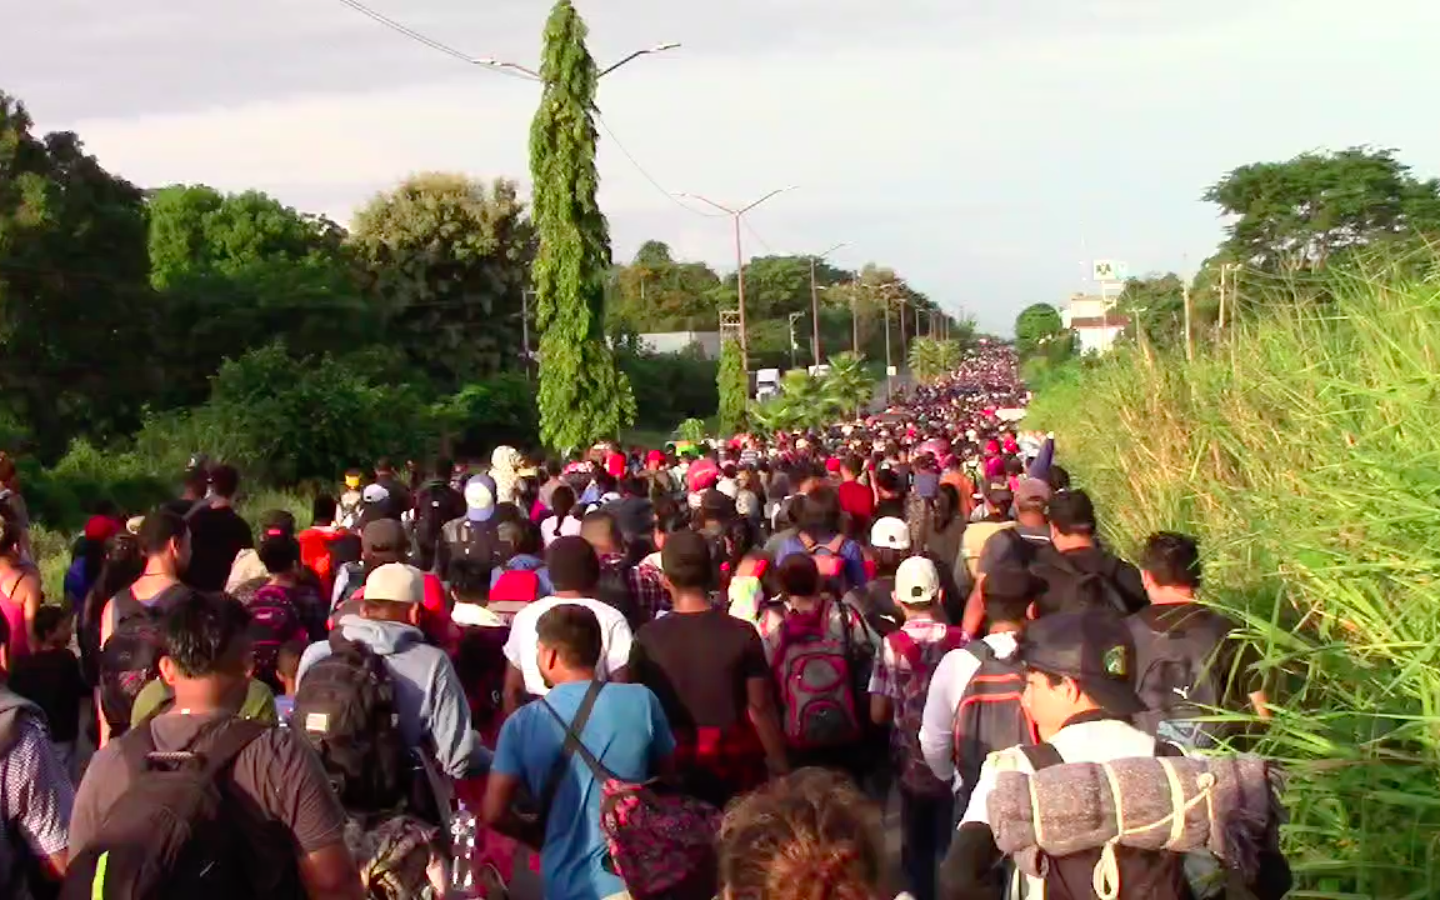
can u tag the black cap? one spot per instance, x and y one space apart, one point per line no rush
1072 511
1094 648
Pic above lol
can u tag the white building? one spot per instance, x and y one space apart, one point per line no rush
1094 320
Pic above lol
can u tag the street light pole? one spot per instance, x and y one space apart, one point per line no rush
737 215
794 344
815 302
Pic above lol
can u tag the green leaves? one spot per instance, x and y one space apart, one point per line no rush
734 386
932 359
1036 325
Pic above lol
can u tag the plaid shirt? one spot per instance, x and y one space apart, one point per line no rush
645 586
892 671
37 795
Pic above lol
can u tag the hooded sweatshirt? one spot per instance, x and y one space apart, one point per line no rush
428 695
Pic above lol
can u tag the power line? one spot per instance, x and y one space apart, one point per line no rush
756 235
650 178
433 44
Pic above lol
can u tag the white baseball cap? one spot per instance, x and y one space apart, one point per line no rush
374 493
890 532
916 582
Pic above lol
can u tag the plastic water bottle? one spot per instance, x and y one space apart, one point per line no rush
462 842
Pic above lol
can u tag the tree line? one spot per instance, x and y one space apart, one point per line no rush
1288 224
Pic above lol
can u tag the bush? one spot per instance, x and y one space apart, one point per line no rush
1304 449
670 387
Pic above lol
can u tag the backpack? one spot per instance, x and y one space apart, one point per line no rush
274 622
660 842
435 504
915 774
317 555
480 663
1142 874
815 673
130 659
1179 677
990 716
345 708
613 589
1068 589
828 560
513 591
468 540
173 834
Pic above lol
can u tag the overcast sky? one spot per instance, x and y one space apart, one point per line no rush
983 148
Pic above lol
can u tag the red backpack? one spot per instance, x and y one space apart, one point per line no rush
513 591
923 658
815 673
990 715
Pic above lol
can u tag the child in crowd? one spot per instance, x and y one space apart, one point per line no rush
50 677
287 668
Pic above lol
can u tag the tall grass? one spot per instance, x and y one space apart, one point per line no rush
1304 449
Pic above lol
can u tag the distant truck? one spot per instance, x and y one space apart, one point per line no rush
767 383
819 371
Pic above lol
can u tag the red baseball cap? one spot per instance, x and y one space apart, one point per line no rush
832 464
655 456
100 529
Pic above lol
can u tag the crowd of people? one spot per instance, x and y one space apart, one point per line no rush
643 672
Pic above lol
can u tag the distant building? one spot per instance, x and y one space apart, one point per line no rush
1094 320
680 341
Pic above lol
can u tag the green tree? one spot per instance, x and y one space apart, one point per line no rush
76 345
1036 326
932 359
583 396
1156 303
449 259
734 386
1299 213
232 272
657 293
849 385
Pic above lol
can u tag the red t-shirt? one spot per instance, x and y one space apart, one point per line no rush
857 500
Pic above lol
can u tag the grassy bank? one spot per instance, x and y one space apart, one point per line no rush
1304 449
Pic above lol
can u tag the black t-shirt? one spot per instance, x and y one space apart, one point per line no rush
51 679
697 665
893 507
216 537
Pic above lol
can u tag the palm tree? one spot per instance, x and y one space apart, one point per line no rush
932 359
849 384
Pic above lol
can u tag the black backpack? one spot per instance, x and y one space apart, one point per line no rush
436 504
130 659
345 708
1069 589
990 715
174 833
613 589
1179 677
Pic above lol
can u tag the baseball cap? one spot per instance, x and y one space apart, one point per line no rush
702 474
374 493
998 493
832 464
383 537
480 498
100 529
395 583
916 581
1032 489
890 532
1094 648
1072 511
655 456
717 504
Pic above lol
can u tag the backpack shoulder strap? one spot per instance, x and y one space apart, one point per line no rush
1042 756
904 645
980 650
807 542
227 742
836 544
573 730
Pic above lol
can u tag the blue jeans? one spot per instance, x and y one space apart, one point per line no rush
926 826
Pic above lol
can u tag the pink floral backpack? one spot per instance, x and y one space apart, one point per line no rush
661 842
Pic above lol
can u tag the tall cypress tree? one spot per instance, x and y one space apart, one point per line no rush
734 389
583 397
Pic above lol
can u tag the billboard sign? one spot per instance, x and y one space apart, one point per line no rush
1108 271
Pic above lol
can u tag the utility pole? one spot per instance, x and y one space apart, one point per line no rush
794 344
885 310
736 215
815 302
1189 344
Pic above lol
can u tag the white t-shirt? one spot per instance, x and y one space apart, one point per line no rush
558 526
947 688
522 653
